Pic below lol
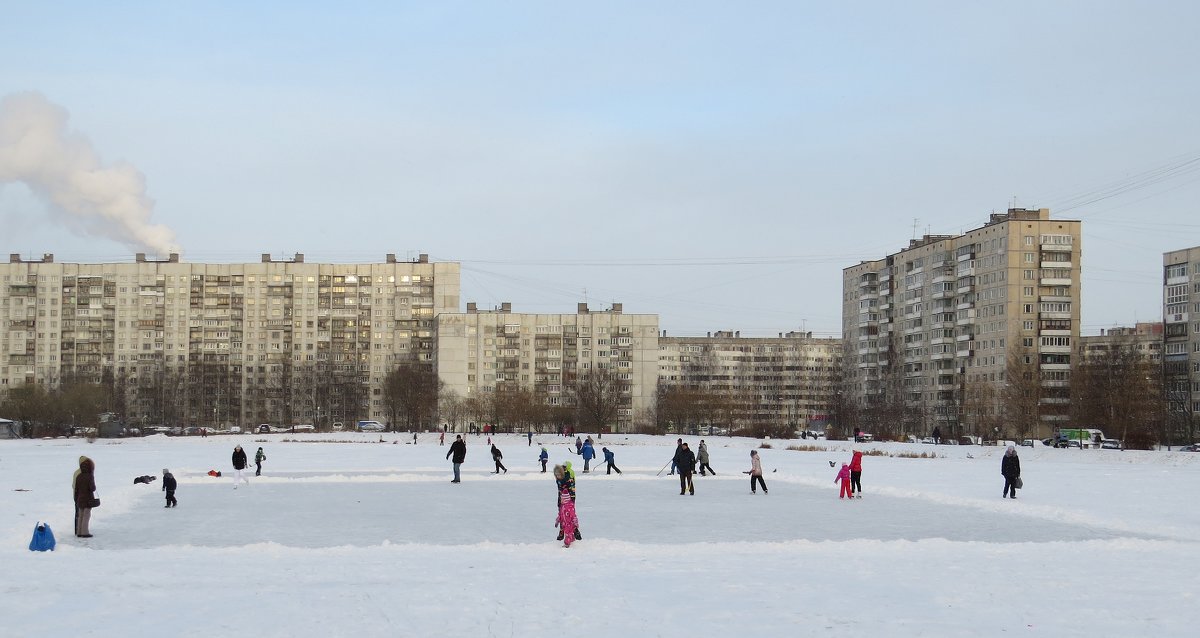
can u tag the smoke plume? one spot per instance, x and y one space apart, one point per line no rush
60 165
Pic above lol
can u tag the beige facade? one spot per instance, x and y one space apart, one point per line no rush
786 380
479 351
223 344
1145 339
1181 344
937 323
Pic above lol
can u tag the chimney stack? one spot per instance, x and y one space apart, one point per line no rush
471 308
581 308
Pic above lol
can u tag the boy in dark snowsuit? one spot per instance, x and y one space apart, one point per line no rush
543 458
609 460
496 456
259 457
169 487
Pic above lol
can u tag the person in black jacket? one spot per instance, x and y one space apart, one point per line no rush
239 466
685 464
459 450
496 456
1010 469
169 487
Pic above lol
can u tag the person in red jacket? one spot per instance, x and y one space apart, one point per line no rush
856 475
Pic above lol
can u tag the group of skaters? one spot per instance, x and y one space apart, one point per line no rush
686 463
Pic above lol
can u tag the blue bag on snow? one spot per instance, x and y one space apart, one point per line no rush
43 538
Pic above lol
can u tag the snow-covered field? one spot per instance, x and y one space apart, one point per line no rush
344 536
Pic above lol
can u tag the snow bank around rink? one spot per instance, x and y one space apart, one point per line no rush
931 549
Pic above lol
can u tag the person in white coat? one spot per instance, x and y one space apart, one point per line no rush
755 472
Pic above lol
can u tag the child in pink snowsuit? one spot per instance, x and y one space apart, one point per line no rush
844 477
566 517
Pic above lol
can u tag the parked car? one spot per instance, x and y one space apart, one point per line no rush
305 427
1027 443
337 427
1111 444
370 426
233 429
1195 447
264 428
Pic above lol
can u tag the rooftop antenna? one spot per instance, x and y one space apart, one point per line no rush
585 299
915 222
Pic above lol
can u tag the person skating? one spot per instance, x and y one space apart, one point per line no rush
458 449
685 464
609 460
578 445
239 466
755 472
84 488
702 459
496 456
529 435
588 453
678 446
844 477
169 486
856 474
1010 469
544 457
259 457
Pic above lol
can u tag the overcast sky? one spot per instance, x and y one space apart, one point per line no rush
715 163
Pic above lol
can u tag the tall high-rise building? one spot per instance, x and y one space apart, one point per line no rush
485 352
970 333
281 341
1181 344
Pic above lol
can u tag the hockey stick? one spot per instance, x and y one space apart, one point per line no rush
663 468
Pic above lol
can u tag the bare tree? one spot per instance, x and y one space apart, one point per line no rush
410 391
597 396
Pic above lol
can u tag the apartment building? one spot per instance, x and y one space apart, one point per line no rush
1181 344
789 380
937 331
1144 338
222 344
483 351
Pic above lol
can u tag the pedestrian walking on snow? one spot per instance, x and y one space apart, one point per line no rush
702 459
239 466
259 457
856 474
543 458
844 476
685 464
169 486
529 435
1010 469
578 445
609 459
458 449
755 472
496 456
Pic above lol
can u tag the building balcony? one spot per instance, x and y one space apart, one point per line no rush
1055 315
1179 317
1055 366
1055 333
1054 349
1055 264
963 351
1054 281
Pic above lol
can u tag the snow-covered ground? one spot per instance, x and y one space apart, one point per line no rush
344 536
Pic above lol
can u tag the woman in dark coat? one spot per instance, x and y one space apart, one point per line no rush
85 496
1010 469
